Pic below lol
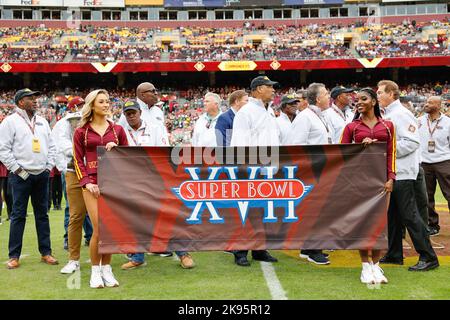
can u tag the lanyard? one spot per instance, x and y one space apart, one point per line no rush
132 136
339 112
321 120
33 122
429 126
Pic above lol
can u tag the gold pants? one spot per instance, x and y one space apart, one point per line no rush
77 214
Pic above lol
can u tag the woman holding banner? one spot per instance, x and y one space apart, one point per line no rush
95 130
368 127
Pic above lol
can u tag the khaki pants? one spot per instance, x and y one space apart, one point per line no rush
77 213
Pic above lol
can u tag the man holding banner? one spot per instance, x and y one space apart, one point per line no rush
255 125
140 133
311 127
402 207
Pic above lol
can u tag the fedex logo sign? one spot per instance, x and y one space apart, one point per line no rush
259 190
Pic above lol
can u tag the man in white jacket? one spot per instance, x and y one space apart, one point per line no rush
402 207
204 133
311 127
75 215
287 116
28 152
255 125
141 133
340 113
147 98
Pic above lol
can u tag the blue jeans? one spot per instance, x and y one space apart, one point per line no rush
139 257
36 187
87 225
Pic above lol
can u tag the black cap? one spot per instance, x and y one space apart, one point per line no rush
336 91
262 81
24 93
131 105
288 99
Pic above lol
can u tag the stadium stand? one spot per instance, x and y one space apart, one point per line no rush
100 44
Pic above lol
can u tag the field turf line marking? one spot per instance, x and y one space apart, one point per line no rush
276 290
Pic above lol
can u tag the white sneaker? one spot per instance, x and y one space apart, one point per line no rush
378 274
71 267
108 277
367 274
96 278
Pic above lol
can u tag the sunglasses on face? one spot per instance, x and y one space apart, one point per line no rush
154 90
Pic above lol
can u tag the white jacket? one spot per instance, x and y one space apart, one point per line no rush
202 136
308 128
16 144
285 125
151 115
63 136
254 125
441 138
338 120
146 135
408 140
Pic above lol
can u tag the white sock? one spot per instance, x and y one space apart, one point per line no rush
96 269
365 265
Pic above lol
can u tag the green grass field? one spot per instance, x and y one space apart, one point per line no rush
215 276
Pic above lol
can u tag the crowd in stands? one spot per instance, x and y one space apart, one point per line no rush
88 43
42 54
182 107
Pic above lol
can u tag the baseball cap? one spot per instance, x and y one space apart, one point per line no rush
336 91
131 105
261 81
75 102
73 115
288 99
24 93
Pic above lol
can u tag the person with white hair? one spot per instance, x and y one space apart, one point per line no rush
204 133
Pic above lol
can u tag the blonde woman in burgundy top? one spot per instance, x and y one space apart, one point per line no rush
368 127
95 130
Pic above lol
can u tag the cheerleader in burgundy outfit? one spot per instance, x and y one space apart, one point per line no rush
368 127
95 130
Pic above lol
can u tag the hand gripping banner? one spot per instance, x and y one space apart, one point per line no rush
156 199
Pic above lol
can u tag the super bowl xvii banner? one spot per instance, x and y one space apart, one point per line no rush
157 199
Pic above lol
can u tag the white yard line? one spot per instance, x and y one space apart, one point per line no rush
276 290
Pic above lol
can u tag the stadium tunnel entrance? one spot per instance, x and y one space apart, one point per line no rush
182 80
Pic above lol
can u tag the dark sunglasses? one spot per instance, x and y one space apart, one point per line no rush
208 124
154 90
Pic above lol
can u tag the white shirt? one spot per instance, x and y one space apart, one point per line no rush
338 119
146 135
150 116
155 112
254 125
407 138
309 128
63 136
16 140
285 126
441 138
202 136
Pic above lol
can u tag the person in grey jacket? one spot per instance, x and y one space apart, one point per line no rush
28 152
402 207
